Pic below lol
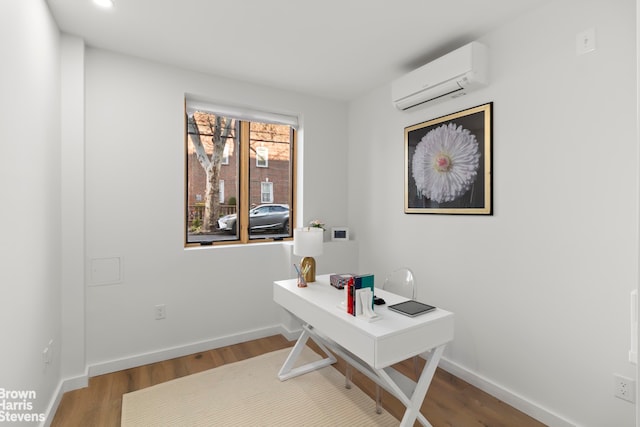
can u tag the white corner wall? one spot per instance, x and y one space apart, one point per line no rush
541 288
638 139
135 213
73 209
30 192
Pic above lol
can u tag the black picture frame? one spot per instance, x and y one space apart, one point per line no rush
448 164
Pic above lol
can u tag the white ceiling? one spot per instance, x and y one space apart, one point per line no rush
332 48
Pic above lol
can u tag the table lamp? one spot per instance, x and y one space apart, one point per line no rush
307 243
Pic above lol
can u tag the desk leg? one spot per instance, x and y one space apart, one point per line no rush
288 371
414 402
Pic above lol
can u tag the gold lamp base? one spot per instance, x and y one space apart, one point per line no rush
308 269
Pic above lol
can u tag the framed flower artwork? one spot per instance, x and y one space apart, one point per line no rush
448 167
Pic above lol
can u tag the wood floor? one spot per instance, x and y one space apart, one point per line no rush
450 401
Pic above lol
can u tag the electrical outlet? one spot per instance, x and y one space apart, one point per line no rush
47 353
586 41
624 388
50 347
161 312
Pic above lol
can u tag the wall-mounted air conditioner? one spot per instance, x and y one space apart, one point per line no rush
449 76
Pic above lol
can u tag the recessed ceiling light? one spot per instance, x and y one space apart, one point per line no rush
107 4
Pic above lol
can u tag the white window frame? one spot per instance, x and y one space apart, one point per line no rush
225 154
268 193
221 191
262 153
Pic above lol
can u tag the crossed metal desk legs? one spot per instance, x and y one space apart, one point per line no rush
409 392
288 371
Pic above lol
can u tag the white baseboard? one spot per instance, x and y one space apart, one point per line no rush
173 352
289 334
63 387
156 356
513 399
528 407
53 405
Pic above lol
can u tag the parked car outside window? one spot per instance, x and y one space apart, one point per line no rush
266 217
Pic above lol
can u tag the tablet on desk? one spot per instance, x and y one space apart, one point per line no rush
411 308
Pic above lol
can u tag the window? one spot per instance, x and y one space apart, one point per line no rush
262 157
266 193
250 198
225 155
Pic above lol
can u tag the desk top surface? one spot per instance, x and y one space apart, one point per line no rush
320 293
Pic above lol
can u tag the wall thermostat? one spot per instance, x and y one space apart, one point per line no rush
339 233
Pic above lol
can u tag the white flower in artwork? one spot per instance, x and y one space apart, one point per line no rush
445 163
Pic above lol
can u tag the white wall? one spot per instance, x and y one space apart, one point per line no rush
541 288
73 207
30 194
135 204
635 348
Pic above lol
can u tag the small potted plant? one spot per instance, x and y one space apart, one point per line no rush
316 223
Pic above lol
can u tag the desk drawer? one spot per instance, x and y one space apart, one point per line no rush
403 345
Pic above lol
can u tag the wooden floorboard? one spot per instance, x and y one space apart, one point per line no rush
450 402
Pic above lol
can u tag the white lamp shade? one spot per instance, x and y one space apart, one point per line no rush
308 241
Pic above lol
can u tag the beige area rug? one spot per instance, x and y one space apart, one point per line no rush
249 393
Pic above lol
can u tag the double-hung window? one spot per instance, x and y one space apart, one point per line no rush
266 193
262 157
240 170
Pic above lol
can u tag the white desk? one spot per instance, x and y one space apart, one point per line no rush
372 347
